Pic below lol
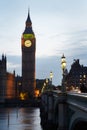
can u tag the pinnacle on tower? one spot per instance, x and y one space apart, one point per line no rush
28 18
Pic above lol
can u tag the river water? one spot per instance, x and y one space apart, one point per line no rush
20 119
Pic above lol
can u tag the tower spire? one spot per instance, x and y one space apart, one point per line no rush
28 26
28 10
28 18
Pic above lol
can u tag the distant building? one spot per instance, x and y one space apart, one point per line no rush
7 81
77 75
10 86
18 86
3 78
40 83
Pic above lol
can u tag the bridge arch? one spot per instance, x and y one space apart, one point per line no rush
78 121
79 125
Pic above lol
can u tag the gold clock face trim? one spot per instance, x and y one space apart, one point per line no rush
28 43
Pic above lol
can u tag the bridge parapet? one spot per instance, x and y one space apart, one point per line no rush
77 99
77 111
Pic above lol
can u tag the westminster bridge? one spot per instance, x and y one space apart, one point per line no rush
64 111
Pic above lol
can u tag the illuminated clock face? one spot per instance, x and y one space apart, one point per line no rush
28 43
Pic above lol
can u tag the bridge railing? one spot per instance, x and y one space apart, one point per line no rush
78 100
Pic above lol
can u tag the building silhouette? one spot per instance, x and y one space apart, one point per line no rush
7 81
77 76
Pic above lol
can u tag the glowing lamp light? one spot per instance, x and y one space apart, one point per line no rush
63 62
51 75
37 93
23 96
47 81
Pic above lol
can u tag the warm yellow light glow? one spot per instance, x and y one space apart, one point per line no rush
84 76
22 96
63 62
37 92
47 81
44 84
51 75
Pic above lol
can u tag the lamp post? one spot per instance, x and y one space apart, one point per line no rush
63 66
47 81
51 76
62 106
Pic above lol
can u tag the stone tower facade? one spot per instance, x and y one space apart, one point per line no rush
28 46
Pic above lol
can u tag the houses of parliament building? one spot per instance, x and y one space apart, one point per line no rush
23 87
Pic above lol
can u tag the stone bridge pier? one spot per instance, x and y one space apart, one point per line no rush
53 111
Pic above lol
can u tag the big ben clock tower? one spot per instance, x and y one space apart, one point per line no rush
28 45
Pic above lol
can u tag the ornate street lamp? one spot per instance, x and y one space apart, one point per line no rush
51 76
63 66
63 63
47 80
